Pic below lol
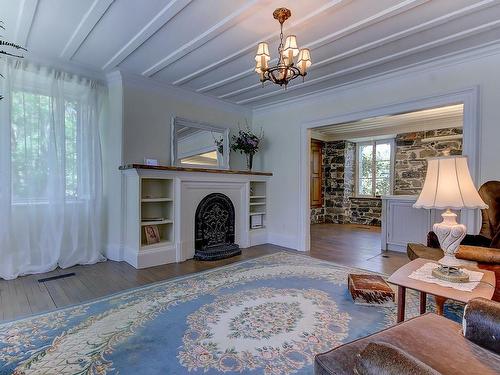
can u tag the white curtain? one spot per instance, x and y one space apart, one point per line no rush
50 169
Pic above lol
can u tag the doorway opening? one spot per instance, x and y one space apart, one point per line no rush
359 167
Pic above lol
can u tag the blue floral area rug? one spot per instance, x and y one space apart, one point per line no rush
268 315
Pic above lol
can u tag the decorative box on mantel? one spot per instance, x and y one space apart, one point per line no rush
162 200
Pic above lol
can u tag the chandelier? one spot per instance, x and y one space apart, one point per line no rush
285 70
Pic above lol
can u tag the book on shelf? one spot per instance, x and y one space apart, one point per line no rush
153 219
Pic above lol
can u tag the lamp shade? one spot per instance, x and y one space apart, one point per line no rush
291 45
304 60
262 52
448 184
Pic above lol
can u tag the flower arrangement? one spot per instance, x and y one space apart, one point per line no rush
4 43
246 142
219 143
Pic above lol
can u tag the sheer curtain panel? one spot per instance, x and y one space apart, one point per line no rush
50 170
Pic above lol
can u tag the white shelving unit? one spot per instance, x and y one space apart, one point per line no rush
257 205
157 209
150 202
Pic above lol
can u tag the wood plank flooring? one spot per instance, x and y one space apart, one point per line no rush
350 245
354 245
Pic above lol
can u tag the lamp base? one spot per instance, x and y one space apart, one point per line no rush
450 274
449 234
451 261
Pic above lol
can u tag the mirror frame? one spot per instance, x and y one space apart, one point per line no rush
174 161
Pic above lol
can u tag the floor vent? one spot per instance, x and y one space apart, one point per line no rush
63 276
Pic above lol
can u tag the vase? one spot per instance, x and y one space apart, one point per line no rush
249 161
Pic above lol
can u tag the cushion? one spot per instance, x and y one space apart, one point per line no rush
481 323
380 358
427 338
478 254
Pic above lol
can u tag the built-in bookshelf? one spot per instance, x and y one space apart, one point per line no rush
149 219
157 212
257 205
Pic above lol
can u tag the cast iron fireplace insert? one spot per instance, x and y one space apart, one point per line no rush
214 228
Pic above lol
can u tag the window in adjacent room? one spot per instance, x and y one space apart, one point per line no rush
374 172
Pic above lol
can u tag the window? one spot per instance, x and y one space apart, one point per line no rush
374 168
32 138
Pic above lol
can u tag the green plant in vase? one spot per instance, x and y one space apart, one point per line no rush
246 142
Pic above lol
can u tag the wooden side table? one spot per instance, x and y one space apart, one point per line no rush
484 289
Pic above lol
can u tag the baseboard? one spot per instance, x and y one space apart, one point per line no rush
151 257
396 247
113 252
283 240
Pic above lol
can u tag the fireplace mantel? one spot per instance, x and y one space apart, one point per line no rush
183 169
167 198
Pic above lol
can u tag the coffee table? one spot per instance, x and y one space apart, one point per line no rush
400 278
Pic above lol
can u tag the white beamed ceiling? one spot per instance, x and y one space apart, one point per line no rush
208 46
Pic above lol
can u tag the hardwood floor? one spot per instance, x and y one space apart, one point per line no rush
348 245
354 245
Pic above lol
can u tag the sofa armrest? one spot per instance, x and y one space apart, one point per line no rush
481 323
470 239
383 358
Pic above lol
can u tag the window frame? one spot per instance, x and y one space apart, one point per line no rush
374 143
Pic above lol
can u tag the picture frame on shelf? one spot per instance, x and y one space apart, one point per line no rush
152 234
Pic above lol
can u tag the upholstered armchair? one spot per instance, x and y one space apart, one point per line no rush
489 236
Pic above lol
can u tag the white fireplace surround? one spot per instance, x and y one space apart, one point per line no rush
188 189
192 192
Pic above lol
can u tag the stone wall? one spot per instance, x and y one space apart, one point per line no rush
339 173
335 155
318 215
411 154
367 211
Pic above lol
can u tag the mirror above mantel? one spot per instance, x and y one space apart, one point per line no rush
197 144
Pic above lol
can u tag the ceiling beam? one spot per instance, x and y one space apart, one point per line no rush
474 52
161 19
388 39
87 24
252 46
399 8
25 18
200 40
481 5
423 47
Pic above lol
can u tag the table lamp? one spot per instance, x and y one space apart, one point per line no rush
448 185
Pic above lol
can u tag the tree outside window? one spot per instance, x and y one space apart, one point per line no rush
31 139
374 168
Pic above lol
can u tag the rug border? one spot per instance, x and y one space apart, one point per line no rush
178 278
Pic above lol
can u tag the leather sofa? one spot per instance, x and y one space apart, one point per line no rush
429 341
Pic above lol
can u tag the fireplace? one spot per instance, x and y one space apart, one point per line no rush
214 228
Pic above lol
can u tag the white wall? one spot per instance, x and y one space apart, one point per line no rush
281 153
149 109
139 126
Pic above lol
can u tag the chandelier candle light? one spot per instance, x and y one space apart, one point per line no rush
448 185
285 70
